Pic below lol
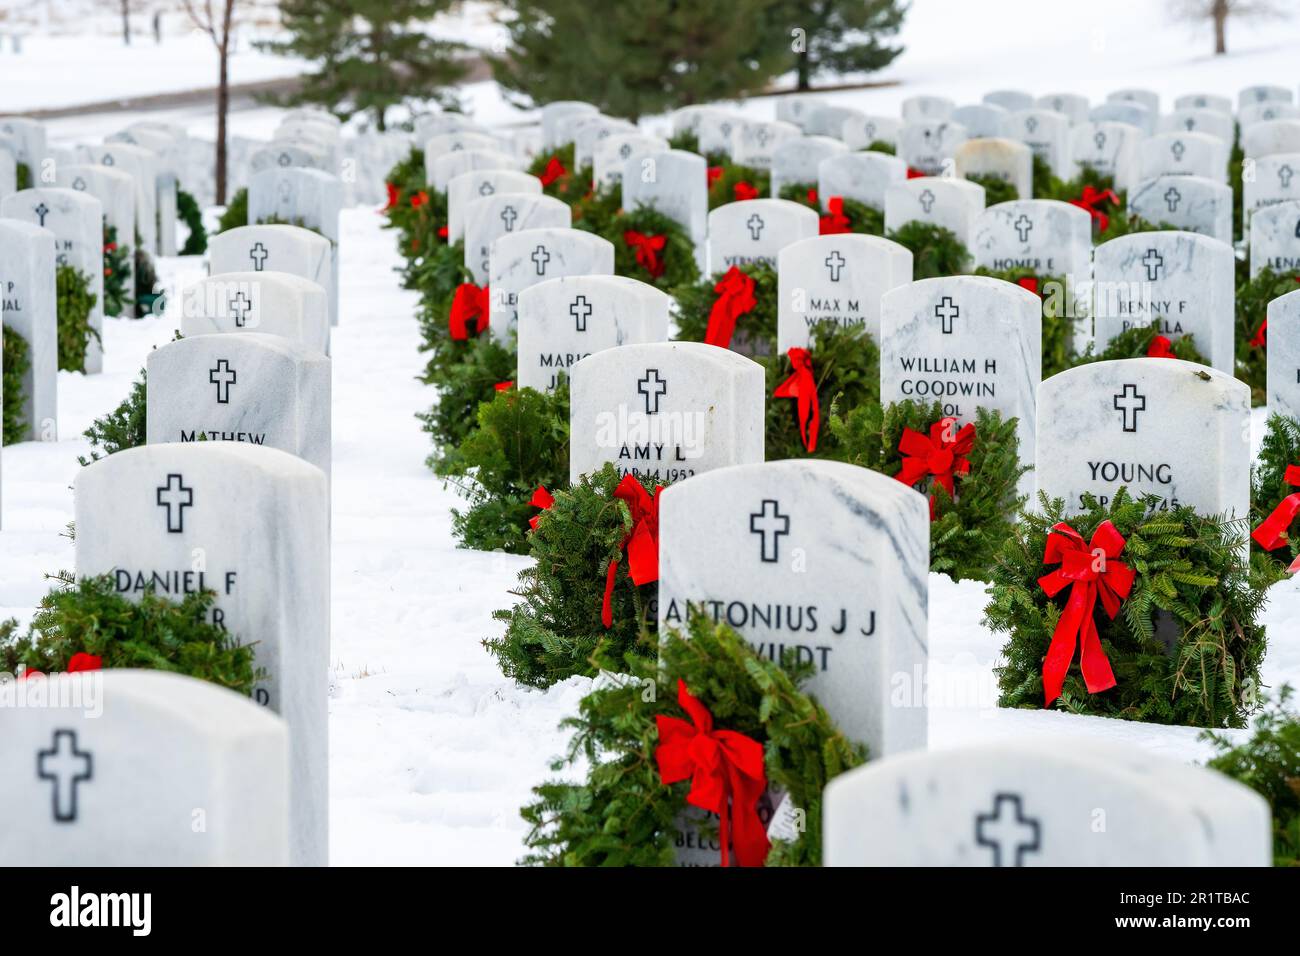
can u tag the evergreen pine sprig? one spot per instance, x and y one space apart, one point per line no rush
1134 343
436 277
189 212
1253 297
967 533
1268 485
153 633
805 194
570 186
122 428
755 333
846 367
116 272
722 189
1269 763
555 631
236 212
1186 645
16 360
521 441
996 189
620 814
467 374
75 303
936 251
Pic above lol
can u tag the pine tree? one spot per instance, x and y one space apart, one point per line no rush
371 54
632 59
841 36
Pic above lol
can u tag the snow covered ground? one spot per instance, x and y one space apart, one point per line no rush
432 751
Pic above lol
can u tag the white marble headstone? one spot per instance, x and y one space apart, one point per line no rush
1050 237
1187 202
1184 154
837 279
308 197
593 134
613 153
1183 279
1118 111
251 524
752 143
491 217
450 165
862 132
918 109
969 342
1010 100
665 410
1212 101
796 160
1008 160
1253 113
1263 93
524 258
1148 98
1195 119
460 141
1049 802
953 204
1075 106
739 544
1154 425
28 307
275 248
141 768
562 321
1275 239
77 221
241 387
479 184
754 231
860 176
1047 133
141 165
1284 355
674 183
929 146
1110 148
982 120
553 113
1271 136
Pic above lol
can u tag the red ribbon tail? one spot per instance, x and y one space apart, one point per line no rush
607 603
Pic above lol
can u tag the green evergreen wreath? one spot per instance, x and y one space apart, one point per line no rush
722 187
146 281
467 374
855 217
805 194
236 212
685 140
1268 486
1056 295
16 360
572 185
846 368
187 207
520 442
936 251
123 427
1253 297
676 258
75 303
116 272
437 277
755 330
24 176
1186 645
996 189
555 631
154 633
621 814
880 146
1134 343
597 209
1269 763
966 533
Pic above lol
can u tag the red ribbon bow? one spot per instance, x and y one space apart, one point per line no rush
1030 284
505 386
1091 200
916 173
419 199
802 387
811 197
735 298
941 455
554 170
647 250
394 195
81 661
1088 572
726 773
743 190
541 499
1272 531
642 542
1160 347
714 174
469 304
835 222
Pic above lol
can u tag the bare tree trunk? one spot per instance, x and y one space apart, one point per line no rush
223 106
126 22
1220 14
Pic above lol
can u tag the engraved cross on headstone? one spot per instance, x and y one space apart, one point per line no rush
835 262
1099 138
1023 226
175 497
65 766
486 188
239 307
1128 403
1154 262
1178 149
258 254
540 258
769 524
508 217
946 311
1173 197
580 309
42 211
223 376
653 388
1007 831
927 201
755 224
1284 174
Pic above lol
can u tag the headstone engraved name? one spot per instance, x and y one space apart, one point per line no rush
252 525
1174 429
860 621
665 410
754 231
